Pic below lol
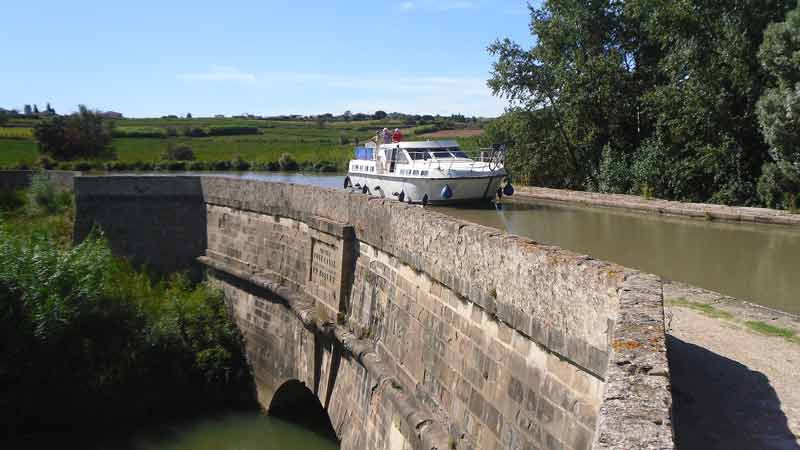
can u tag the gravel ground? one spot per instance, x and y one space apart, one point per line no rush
732 388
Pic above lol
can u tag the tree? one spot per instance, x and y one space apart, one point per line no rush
3 117
50 110
379 115
28 110
188 115
85 134
348 116
35 109
779 113
641 94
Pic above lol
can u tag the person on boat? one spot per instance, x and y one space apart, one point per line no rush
387 138
397 136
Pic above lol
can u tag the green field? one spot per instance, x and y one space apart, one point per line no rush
307 141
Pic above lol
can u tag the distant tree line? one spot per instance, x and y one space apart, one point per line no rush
695 101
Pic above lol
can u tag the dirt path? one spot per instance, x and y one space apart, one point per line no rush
733 388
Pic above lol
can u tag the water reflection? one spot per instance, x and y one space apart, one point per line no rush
751 262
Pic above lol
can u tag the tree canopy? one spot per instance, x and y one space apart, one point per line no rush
626 96
86 134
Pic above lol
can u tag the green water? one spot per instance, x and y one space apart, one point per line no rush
231 432
757 263
239 431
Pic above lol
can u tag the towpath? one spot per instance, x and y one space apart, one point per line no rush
734 387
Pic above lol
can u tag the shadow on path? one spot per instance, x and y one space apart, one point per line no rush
719 403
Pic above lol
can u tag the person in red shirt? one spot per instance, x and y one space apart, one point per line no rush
397 136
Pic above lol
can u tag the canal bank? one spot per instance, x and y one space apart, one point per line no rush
733 363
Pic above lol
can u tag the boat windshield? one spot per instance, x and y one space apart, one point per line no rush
418 154
459 154
442 155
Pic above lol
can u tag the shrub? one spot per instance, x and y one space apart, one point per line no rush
139 132
86 329
11 199
86 134
194 132
45 162
231 130
240 164
83 166
220 165
287 162
197 166
426 129
178 153
44 197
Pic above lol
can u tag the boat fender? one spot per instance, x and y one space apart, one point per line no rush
499 193
424 199
401 196
365 189
508 190
447 192
347 182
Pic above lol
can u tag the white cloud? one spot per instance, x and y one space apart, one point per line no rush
407 6
219 73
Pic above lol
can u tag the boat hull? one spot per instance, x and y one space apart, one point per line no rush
462 189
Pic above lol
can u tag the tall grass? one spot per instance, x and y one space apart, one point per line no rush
89 341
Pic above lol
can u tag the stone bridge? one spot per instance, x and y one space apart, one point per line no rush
413 330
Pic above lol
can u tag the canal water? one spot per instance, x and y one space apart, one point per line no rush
758 263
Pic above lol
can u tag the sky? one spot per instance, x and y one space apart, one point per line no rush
147 58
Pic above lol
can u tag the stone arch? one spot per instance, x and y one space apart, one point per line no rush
293 401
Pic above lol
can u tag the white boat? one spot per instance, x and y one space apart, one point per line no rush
425 172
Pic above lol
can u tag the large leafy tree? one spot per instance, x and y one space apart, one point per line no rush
779 112
640 93
85 134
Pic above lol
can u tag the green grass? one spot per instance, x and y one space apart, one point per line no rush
756 326
771 330
706 310
305 140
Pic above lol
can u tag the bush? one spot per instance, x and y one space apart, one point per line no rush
240 164
194 132
178 153
220 165
198 166
232 130
83 166
11 199
86 134
287 162
426 129
45 198
45 162
142 132
105 344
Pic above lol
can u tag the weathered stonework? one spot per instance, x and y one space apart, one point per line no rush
416 330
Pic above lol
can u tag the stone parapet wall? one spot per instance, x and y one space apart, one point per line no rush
21 179
157 222
459 329
702 211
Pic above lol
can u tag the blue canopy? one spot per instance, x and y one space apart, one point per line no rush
364 153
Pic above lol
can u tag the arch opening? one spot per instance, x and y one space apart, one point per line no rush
295 403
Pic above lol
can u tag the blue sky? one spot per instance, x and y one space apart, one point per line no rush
149 58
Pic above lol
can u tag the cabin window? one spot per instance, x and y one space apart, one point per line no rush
418 154
415 172
459 154
442 155
423 172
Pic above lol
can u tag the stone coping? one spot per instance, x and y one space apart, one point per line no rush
702 211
